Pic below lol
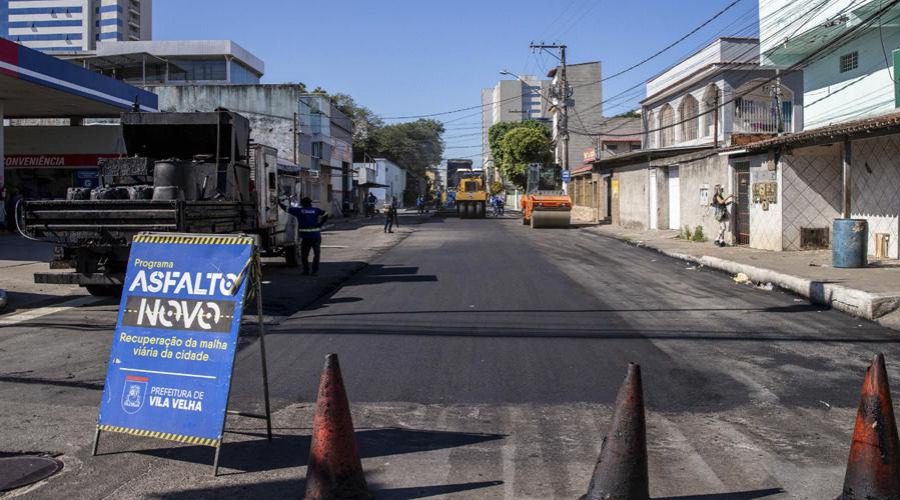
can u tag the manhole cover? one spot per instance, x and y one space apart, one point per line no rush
16 472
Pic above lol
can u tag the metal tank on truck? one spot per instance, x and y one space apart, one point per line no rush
186 173
545 204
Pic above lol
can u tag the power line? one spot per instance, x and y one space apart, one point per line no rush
469 108
803 62
736 60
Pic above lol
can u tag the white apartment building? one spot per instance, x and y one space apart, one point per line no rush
844 82
65 26
512 101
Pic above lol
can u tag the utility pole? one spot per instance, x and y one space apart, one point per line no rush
562 92
776 95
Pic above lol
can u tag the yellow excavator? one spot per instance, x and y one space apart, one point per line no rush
471 195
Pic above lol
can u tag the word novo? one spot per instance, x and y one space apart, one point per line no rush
179 314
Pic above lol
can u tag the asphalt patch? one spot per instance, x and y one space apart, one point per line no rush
16 472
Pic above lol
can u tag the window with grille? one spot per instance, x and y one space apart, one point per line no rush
849 61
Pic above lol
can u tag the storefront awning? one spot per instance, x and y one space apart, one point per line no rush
288 166
35 85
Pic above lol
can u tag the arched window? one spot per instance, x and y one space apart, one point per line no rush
652 123
666 126
688 116
710 111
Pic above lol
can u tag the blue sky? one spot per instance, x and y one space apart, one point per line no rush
405 57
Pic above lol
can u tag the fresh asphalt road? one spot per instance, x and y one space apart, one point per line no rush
482 358
488 311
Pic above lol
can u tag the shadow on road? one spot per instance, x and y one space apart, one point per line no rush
737 495
292 451
15 379
797 308
293 488
377 274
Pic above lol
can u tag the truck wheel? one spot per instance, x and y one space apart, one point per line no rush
292 255
471 211
104 290
461 210
479 210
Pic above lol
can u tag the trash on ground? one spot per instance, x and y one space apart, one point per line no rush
741 278
826 404
766 286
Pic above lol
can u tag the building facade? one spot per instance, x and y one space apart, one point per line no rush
389 178
843 165
512 101
718 97
173 62
841 82
616 136
67 26
585 109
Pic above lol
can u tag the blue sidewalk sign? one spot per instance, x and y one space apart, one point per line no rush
173 350
566 176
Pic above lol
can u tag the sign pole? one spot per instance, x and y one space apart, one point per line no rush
262 338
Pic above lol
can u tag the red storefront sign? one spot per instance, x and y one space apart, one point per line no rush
55 161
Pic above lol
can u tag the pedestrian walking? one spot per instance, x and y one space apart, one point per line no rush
371 200
3 208
310 220
420 205
720 206
390 216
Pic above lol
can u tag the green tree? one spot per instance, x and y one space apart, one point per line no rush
516 144
412 145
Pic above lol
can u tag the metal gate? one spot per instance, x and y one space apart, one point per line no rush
742 205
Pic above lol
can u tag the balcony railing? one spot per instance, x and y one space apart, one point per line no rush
753 116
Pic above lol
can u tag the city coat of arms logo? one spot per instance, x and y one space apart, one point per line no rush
134 393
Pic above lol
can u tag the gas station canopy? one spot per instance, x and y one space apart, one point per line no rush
35 85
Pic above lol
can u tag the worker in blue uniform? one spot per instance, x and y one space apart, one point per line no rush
309 221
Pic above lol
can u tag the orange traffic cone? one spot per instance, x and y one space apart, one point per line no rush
873 470
334 470
621 470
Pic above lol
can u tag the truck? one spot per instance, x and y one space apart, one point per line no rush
185 173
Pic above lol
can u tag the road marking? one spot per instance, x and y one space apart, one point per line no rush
14 319
168 373
334 246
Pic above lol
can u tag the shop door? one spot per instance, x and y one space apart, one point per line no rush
654 224
674 199
609 197
742 205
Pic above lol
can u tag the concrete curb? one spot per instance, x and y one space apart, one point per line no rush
860 303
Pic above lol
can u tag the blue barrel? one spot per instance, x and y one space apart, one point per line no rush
849 242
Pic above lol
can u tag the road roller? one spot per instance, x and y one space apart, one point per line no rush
471 196
546 209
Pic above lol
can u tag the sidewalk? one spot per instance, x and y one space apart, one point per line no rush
872 293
